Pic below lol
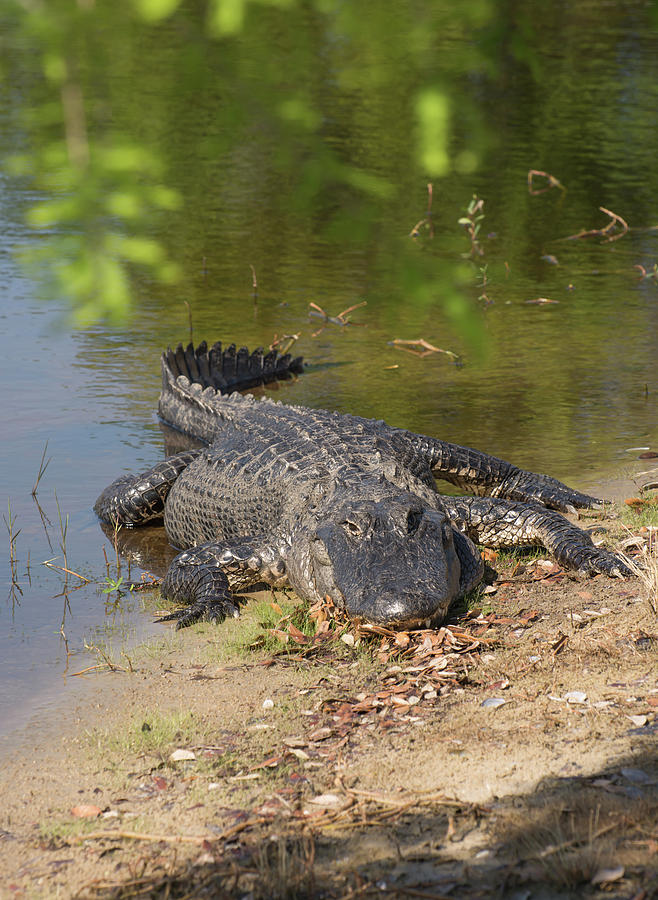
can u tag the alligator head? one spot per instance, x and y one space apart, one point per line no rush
390 560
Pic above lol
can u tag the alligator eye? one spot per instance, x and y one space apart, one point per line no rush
413 520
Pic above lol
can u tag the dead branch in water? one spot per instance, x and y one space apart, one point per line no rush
607 233
552 182
283 343
425 222
49 564
427 348
341 319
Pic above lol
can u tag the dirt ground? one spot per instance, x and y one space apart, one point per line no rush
512 753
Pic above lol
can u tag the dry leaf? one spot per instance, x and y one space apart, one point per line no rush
180 755
270 763
637 776
575 697
298 636
327 800
300 754
399 701
86 811
493 703
603 876
282 636
320 734
639 721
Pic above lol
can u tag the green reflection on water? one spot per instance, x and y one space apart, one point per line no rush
301 143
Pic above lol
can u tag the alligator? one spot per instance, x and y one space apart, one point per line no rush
330 505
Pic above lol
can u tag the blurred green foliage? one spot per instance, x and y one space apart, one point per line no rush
101 134
138 122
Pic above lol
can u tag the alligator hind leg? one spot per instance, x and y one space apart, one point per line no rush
504 523
134 499
205 576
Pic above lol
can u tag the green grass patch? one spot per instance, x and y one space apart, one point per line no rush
67 831
255 631
150 732
646 515
509 557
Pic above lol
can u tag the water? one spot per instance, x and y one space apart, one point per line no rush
563 388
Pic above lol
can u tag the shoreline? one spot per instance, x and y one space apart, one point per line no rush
306 744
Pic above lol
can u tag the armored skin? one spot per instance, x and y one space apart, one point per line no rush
328 504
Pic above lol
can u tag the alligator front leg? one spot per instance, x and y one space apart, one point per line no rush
488 476
134 499
205 576
502 523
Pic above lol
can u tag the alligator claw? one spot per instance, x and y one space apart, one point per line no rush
574 504
527 487
605 564
209 611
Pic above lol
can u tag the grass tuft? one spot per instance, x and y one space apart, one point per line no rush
645 567
285 868
151 731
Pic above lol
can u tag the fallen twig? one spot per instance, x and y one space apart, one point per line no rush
427 220
606 232
409 798
427 348
141 836
49 564
278 342
93 669
112 834
341 319
552 182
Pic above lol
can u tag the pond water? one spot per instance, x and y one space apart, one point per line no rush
565 387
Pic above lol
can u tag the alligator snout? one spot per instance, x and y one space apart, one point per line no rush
391 562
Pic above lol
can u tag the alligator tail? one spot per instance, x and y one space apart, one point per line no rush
230 369
193 378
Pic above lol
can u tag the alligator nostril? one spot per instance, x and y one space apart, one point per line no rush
319 553
352 527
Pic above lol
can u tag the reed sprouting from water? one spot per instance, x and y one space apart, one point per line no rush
10 523
43 465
